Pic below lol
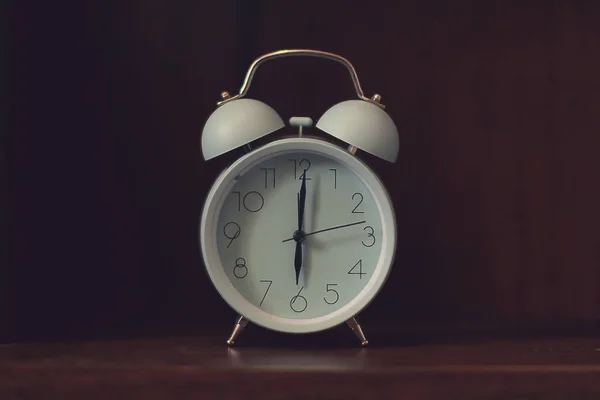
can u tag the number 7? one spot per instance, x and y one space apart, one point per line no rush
267 291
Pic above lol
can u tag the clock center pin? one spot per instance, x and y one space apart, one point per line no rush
299 236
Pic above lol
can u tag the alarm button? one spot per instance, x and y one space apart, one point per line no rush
301 122
306 122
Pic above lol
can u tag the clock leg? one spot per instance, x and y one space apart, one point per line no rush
240 324
354 325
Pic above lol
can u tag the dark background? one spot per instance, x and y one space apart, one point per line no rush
496 187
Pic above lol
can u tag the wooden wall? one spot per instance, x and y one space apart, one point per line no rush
496 188
3 174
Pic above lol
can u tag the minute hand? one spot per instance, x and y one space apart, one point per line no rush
328 229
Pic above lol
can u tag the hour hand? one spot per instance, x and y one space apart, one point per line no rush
298 260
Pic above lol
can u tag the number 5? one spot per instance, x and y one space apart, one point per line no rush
337 295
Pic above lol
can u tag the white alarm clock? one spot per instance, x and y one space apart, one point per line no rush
298 235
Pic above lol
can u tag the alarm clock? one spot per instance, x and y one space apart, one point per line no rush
298 235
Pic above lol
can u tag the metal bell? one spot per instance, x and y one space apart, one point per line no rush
237 123
364 125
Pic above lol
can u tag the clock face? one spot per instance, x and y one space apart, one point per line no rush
343 242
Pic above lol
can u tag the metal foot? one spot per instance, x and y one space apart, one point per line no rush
240 324
353 324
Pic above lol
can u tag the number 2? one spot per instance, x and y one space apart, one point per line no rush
360 200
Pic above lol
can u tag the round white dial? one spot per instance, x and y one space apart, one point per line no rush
298 235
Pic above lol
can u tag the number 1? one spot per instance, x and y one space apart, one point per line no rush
334 177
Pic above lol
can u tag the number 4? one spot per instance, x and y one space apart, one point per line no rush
360 273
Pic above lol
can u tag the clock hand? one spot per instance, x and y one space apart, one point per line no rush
324 230
300 236
302 201
298 260
298 253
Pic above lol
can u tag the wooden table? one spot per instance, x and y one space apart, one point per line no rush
399 365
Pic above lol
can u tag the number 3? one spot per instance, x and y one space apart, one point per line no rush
371 241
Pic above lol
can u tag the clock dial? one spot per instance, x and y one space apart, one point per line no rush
261 246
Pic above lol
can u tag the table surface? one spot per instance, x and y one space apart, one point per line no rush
269 366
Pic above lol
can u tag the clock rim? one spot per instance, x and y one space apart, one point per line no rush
209 224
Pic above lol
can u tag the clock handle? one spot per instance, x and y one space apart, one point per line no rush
300 52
